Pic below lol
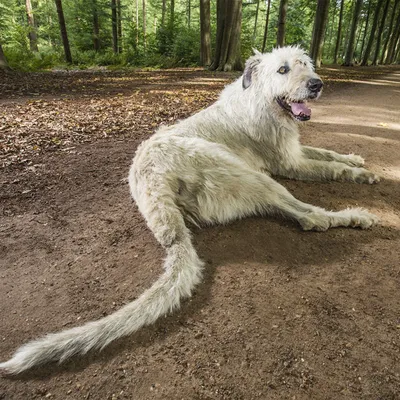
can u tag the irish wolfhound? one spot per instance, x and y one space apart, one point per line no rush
215 167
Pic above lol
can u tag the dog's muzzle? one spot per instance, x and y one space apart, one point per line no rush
314 86
298 108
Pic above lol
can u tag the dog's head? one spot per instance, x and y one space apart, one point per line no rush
286 78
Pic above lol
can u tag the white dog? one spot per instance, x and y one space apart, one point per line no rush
215 167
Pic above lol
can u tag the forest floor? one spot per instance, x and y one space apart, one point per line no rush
281 313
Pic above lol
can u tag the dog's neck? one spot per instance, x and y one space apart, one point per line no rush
254 113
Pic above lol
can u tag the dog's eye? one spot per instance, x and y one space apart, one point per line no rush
283 70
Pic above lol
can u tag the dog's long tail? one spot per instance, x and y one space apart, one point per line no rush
183 270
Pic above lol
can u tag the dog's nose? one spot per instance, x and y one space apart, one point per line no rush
315 85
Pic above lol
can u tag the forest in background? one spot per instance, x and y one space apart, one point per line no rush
40 34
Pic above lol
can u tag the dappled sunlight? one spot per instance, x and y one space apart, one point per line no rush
360 122
393 173
376 139
361 115
375 82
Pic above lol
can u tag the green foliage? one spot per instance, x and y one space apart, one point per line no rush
25 60
186 47
174 44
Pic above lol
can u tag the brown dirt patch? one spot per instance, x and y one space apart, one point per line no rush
281 314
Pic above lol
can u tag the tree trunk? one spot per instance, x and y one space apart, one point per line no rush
357 43
137 22
3 60
255 22
114 25
172 15
321 18
96 27
372 34
397 54
119 26
280 38
393 41
164 11
348 25
339 34
266 26
379 36
32 27
205 33
63 31
332 25
144 25
366 28
229 23
389 33
348 61
189 10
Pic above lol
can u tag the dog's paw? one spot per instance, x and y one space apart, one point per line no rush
362 175
352 217
356 218
353 160
315 222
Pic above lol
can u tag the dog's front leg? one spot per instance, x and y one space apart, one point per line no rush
315 153
317 170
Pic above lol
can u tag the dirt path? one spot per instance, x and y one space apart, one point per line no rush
282 314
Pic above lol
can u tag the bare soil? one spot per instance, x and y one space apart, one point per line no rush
281 314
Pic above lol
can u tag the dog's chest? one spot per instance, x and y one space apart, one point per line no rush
277 149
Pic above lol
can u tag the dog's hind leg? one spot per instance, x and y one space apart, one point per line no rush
233 193
315 153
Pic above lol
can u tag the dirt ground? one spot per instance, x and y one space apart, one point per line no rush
281 314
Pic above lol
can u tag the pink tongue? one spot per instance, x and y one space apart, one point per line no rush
298 108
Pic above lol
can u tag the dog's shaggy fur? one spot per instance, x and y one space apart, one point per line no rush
215 167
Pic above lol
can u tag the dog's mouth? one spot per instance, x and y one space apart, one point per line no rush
297 109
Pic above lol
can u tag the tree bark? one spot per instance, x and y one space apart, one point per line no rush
332 25
372 34
114 26
144 25
189 11
358 42
393 41
280 39
255 22
397 54
164 11
96 27
390 32
348 25
366 28
229 23
379 36
137 22
3 60
172 15
32 27
205 33
266 26
63 31
339 34
348 61
321 18
119 26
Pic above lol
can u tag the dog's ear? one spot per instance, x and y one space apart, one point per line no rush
249 70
